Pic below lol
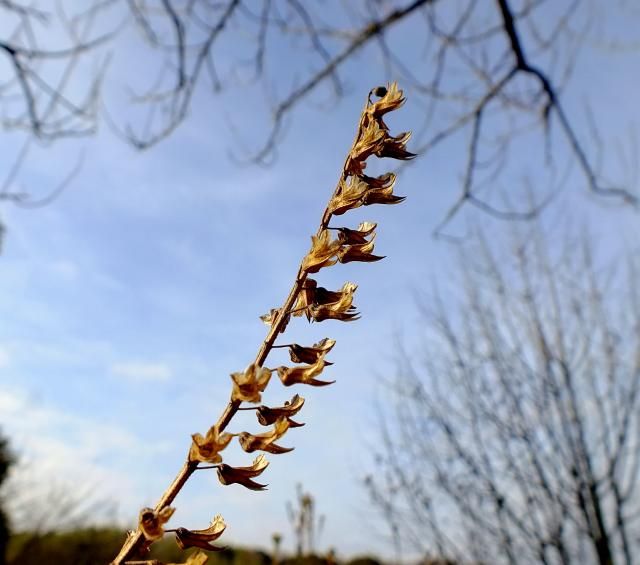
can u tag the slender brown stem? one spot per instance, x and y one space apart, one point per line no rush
136 544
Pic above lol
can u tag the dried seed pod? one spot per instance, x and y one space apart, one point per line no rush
300 354
303 374
207 449
371 141
341 309
395 147
360 252
201 538
265 441
267 416
319 304
348 196
382 181
151 522
249 385
358 236
243 475
323 249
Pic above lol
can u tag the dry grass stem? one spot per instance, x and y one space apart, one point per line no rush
354 189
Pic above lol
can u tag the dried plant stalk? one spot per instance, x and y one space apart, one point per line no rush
354 189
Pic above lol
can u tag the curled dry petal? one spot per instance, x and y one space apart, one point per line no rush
265 441
358 236
244 475
249 385
151 522
300 354
208 448
323 249
303 374
360 252
201 538
267 416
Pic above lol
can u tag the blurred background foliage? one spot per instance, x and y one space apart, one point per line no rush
96 546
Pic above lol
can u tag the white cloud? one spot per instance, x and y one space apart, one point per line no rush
63 457
141 371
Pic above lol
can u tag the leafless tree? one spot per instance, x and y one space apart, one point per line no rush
489 72
39 56
515 436
305 524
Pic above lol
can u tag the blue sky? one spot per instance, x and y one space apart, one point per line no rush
128 301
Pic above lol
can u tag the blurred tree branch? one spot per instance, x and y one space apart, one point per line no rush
516 432
491 73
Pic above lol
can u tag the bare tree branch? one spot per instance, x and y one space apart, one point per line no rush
505 445
489 74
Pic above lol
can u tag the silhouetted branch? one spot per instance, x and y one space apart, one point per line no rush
488 73
507 429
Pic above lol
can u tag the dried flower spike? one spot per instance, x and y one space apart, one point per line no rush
354 189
